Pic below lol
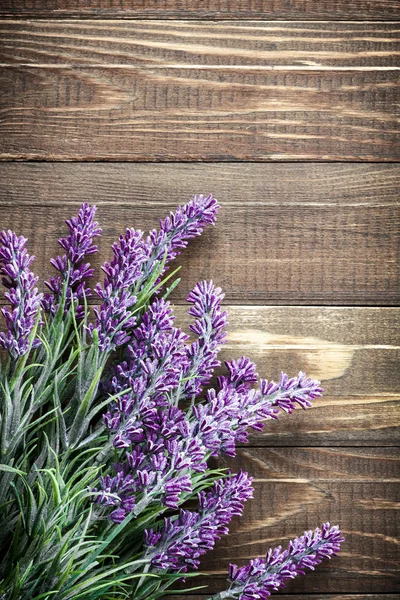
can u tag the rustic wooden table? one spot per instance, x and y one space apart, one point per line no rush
286 111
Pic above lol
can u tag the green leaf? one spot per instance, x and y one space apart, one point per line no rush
54 484
79 421
9 469
46 595
164 281
171 288
112 535
74 591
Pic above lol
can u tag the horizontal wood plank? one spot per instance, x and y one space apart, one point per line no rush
298 489
200 43
195 91
207 9
292 233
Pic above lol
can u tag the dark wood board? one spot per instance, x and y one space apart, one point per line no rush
227 44
206 9
297 489
195 91
312 234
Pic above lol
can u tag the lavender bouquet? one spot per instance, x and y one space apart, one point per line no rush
107 425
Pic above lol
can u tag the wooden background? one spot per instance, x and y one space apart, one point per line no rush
287 110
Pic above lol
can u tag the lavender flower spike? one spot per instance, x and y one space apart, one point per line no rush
288 392
209 327
261 576
223 420
77 246
114 319
187 222
184 538
22 295
135 259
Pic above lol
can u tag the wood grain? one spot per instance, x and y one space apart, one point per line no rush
194 91
202 44
292 233
207 9
296 489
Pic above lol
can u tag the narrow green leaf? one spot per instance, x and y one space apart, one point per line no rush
76 429
171 288
9 469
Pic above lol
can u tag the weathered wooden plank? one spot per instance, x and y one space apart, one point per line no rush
186 9
200 43
297 489
310 465
165 185
360 421
166 91
286 233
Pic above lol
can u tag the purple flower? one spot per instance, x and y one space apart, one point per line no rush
117 492
209 324
114 317
182 539
260 577
22 294
77 245
223 420
242 374
155 360
160 457
288 392
156 354
179 227
135 259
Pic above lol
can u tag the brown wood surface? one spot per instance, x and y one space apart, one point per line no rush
306 246
292 233
192 91
212 9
